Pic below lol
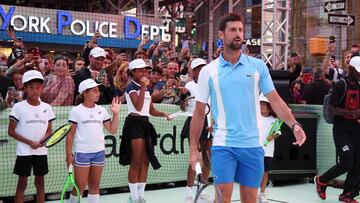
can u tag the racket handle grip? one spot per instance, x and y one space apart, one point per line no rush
71 168
266 143
198 169
208 118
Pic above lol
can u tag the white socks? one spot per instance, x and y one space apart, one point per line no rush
93 198
141 189
134 191
188 191
73 199
137 191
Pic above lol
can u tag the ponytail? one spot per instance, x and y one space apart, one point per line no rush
79 99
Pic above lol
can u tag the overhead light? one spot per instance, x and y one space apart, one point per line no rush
52 51
249 10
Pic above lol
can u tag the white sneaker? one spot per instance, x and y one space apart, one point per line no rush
262 198
189 200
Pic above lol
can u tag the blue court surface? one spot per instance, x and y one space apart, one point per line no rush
289 193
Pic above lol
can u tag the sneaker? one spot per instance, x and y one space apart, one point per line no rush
347 198
189 200
320 187
262 198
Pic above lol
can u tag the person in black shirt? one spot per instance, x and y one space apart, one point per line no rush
97 57
346 133
315 92
294 66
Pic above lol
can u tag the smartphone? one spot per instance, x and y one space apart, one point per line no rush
11 90
34 50
177 75
102 76
164 60
332 39
166 44
185 45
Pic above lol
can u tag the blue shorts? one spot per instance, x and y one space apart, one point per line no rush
242 165
89 159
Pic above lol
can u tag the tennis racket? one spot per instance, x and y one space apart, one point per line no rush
185 106
276 126
57 136
70 179
206 192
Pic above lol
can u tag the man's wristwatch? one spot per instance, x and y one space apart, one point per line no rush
295 124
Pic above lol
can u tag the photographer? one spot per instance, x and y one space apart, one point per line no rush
166 91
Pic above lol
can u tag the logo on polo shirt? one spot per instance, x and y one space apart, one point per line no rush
45 110
248 75
99 112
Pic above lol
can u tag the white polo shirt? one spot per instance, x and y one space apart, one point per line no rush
32 124
89 136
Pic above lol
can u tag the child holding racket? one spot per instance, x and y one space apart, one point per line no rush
87 134
205 140
30 124
139 135
268 120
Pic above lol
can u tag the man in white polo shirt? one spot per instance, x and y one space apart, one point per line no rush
233 83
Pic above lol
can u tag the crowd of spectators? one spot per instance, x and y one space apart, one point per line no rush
168 75
309 85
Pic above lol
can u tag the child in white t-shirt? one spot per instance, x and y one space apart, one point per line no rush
30 125
268 118
86 133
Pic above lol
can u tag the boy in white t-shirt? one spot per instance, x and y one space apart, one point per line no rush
30 124
268 117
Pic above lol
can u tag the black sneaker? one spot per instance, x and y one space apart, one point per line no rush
347 198
320 187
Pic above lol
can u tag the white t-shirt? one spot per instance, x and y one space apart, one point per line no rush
135 87
267 123
89 136
32 124
192 87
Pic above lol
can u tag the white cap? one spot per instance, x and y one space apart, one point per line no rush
355 62
263 98
98 52
87 84
197 62
32 75
137 63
